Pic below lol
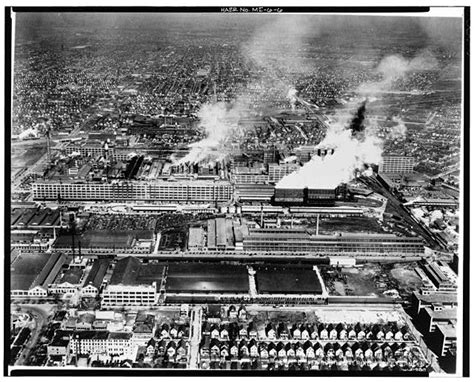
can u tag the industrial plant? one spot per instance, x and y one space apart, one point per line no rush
232 193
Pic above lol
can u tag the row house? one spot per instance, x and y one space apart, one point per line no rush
336 332
303 351
172 331
176 350
239 313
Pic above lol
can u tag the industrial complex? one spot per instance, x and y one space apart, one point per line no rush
214 196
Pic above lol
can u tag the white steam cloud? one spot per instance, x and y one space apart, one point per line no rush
396 67
274 48
292 97
356 152
330 171
220 124
399 130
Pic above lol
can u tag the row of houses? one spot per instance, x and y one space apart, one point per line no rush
176 350
306 351
307 331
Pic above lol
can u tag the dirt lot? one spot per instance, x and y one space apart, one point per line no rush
372 280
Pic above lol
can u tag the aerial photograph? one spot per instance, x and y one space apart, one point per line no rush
235 192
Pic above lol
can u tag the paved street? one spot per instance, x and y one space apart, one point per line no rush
39 316
195 335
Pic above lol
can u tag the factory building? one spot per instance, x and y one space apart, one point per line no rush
357 245
327 211
438 276
305 196
277 172
220 234
133 283
95 278
90 148
251 178
254 192
31 274
305 153
184 191
396 164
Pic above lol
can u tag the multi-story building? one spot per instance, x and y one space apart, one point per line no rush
277 172
133 284
396 164
443 339
429 317
251 178
100 342
184 191
359 245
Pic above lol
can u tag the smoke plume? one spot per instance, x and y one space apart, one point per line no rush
398 131
292 97
394 67
352 152
219 121
357 123
274 48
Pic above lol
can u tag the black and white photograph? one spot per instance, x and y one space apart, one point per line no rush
236 191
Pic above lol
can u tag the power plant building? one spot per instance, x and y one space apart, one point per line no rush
305 196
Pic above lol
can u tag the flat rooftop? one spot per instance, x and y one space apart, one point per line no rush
131 271
25 269
207 278
98 239
72 275
287 280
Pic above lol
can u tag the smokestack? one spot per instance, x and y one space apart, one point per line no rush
357 124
